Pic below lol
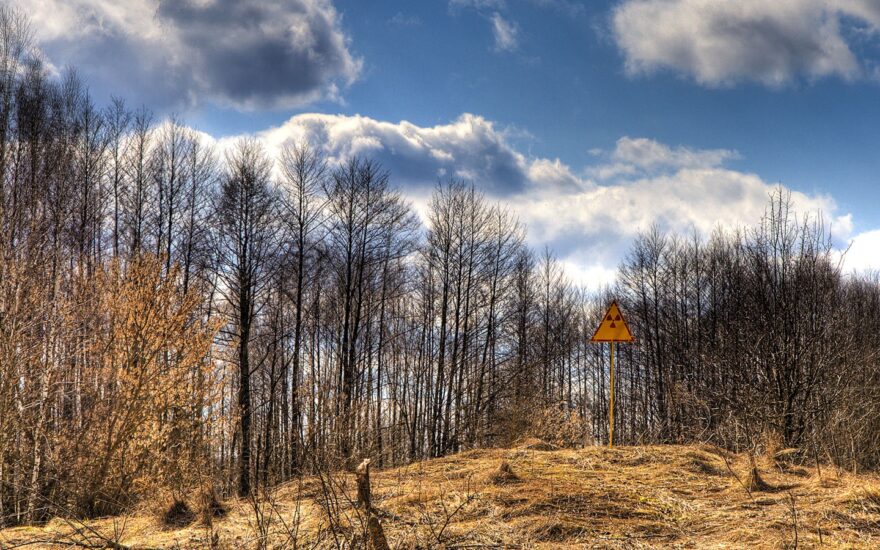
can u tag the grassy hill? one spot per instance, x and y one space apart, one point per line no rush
628 497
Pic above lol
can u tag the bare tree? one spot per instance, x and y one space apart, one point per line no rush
118 124
305 175
247 245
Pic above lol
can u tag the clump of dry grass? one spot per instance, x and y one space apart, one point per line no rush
865 499
178 515
556 530
786 454
504 474
792 469
705 464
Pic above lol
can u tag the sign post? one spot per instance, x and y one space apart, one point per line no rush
613 328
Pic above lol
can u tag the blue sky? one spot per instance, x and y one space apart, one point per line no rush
682 113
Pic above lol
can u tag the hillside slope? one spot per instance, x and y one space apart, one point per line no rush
629 497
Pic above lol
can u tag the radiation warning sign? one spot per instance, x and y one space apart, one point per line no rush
613 327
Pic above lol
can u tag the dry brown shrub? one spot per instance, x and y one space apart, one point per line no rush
560 428
149 341
773 443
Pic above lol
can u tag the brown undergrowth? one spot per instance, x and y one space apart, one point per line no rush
627 497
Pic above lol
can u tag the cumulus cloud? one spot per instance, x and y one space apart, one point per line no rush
273 53
862 253
604 219
721 43
470 148
588 222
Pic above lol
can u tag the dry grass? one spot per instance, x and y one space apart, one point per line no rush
535 444
629 497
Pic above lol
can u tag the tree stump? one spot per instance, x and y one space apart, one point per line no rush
374 534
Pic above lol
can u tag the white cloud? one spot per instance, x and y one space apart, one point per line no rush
589 223
401 19
56 20
601 221
567 7
866 10
470 147
478 4
505 32
289 52
648 153
632 156
863 254
587 272
719 43
571 8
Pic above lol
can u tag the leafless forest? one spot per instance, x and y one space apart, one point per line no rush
175 317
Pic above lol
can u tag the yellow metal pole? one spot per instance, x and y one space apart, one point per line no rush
611 405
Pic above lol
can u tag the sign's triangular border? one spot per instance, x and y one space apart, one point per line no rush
609 330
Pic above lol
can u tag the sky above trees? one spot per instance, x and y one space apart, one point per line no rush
593 120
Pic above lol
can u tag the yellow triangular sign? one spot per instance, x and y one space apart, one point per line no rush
613 327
